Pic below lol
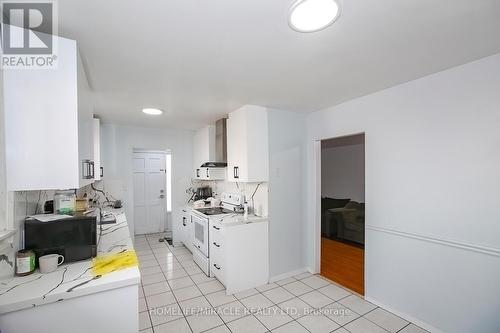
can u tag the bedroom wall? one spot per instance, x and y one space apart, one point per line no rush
343 172
432 191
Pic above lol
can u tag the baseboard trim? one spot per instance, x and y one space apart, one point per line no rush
446 242
405 316
288 274
311 270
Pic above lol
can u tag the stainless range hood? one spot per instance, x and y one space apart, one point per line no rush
220 146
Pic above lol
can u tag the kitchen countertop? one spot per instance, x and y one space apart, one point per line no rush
73 279
238 219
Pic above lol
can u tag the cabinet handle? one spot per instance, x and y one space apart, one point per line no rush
102 171
184 221
215 227
197 173
236 172
208 175
215 265
92 169
87 169
216 244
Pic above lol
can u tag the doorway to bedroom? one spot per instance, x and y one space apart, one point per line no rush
343 211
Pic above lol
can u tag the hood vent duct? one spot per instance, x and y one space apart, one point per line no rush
220 145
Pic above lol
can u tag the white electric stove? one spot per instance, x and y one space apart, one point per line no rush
231 203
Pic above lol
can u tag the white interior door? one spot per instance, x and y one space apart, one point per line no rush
149 192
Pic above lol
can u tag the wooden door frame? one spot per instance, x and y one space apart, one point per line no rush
317 202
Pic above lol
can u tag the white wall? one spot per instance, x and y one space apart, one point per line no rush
286 208
3 193
20 205
343 172
247 189
118 143
432 193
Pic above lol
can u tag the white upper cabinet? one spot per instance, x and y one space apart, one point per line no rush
48 125
99 170
204 150
204 146
247 145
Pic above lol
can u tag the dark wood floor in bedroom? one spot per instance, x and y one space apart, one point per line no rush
343 263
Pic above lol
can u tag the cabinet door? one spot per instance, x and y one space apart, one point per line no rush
236 146
203 146
257 153
96 127
231 148
85 128
184 227
41 124
205 173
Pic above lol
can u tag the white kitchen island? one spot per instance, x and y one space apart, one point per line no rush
71 299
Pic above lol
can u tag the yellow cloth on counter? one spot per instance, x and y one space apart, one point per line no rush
108 263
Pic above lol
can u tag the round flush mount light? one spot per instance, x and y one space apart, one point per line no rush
152 111
313 15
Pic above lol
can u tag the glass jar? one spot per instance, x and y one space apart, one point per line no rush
65 202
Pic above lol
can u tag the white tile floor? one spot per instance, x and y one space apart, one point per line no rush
175 296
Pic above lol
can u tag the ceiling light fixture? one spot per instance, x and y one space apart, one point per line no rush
152 111
313 15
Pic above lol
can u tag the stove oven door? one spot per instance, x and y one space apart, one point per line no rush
200 234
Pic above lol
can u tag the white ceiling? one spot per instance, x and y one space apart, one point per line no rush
198 60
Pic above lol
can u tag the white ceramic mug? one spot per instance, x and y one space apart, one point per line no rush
48 263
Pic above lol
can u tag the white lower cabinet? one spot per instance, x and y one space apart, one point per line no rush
239 254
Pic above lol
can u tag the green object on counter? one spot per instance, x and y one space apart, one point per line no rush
65 211
65 202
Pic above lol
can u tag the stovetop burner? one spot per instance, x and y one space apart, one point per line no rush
214 211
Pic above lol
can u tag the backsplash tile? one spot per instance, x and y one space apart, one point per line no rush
261 197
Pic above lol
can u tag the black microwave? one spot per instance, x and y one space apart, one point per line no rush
74 238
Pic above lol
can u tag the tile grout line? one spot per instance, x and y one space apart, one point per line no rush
404 327
173 294
145 299
314 289
170 290
258 292
202 295
376 307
